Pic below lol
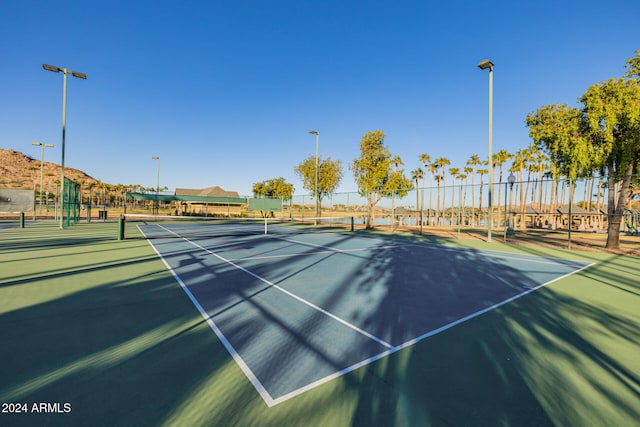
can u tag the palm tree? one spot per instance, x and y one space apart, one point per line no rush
454 173
542 166
523 159
417 175
438 179
468 170
499 159
442 162
433 169
424 159
397 162
463 177
482 173
473 161
512 170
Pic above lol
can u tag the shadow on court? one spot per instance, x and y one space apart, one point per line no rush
113 334
549 358
397 293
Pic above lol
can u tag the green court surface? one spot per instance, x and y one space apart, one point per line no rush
97 331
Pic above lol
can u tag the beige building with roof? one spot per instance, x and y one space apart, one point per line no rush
209 201
214 191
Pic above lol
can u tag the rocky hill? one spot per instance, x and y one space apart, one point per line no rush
18 170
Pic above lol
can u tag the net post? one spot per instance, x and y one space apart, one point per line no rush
121 228
21 219
265 225
352 224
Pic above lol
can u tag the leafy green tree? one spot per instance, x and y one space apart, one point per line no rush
329 176
559 130
604 135
612 116
275 187
633 66
259 189
373 172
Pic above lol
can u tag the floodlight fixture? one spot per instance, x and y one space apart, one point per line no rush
484 64
64 124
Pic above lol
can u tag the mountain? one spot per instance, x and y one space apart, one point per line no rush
18 170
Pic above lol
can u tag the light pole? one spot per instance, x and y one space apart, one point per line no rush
483 65
317 134
41 169
157 184
64 124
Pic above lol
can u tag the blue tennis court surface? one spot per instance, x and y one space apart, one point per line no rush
297 311
7 224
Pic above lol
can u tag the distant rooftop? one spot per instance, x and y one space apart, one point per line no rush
206 192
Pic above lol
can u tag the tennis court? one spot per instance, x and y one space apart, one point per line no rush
7 224
297 309
325 328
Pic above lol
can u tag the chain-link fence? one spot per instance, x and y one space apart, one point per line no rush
520 205
71 202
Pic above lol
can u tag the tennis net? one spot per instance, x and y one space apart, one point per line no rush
158 227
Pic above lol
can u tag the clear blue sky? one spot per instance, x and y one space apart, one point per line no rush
226 91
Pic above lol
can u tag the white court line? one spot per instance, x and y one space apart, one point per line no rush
302 300
484 252
413 341
327 252
270 401
232 351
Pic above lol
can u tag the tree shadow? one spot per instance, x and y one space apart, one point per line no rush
543 359
131 350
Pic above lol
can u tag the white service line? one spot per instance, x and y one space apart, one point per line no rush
413 341
327 252
232 351
269 400
271 284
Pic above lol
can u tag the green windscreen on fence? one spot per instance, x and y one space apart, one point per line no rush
266 204
71 202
